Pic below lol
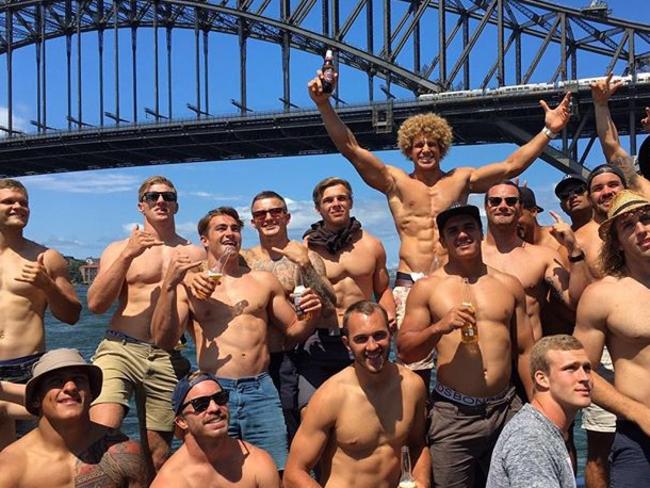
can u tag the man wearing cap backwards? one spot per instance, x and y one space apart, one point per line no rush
601 91
208 457
131 271
474 396
538 268
33 278
359 420
230 328
530 452
67 449
613 311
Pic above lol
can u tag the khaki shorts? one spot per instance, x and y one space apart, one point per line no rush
400 293
595 418
143 368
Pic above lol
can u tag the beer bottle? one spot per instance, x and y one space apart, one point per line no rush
328 72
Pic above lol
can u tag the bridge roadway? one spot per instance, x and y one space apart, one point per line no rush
476 120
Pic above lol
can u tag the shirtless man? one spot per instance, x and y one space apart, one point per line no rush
359 420
528 227
572 193
355 263
474 396
67 449
292 264
538 268
230 329
208 457
131 271
32 277
613 312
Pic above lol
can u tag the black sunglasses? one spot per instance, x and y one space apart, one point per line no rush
496 201
153 196
275 212
201 404
570 192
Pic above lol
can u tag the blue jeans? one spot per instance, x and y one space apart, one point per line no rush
629 457
256 415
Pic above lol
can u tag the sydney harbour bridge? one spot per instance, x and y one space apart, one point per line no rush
90 84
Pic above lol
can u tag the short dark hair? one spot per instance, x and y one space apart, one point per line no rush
364 307
322 185
269 194
9 183
606 168
202 226
502 182
539 353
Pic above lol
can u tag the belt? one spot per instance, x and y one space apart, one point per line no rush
114 335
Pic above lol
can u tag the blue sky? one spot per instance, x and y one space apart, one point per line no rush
80 213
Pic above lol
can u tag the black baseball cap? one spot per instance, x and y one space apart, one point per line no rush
470 210
605 168
569 180
528 200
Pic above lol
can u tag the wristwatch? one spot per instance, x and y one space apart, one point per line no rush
549 133
578 258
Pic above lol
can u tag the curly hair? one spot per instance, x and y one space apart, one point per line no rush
430 125
612 259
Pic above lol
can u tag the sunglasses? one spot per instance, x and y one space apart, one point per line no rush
275 212
153 196
570 192
496 201
201 404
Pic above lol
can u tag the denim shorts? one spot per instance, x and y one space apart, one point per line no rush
18 370
629 457
256 414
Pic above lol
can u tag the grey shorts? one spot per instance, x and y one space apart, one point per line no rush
595 418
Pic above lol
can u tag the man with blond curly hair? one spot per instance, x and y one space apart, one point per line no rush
416 198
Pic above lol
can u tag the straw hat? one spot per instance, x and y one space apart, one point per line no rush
53 361
625 201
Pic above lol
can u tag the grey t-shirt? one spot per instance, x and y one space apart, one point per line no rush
530 453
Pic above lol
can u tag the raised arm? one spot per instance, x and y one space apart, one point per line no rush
481 179
601 91
50 274
113 266
172 312
312 437
373 171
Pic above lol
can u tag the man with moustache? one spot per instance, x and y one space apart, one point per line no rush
530 451
416 198
292 264
355 264
230 329
33 277
475 318
67 448
538 268
359 420
208 456
612 312
131 271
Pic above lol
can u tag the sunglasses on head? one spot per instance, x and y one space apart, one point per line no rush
275 212
496 201
153 196
201 404
575 191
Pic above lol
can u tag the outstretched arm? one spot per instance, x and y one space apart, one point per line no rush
601 91
373 171
481 179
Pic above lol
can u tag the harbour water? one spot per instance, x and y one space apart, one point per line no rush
86 334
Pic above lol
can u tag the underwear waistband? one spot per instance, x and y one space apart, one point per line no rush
407 279
467 400
21 360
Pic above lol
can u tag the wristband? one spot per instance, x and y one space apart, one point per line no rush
578 258
549 133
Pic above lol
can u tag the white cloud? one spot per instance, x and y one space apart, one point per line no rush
19 123
210 196
85 182
128 227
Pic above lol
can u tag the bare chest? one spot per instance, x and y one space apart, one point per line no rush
491 300
357 263
150 267
418 199
523 265
231 300
628 318
284 270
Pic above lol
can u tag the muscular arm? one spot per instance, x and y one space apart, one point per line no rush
283 315
170 316
12 392
481 179
266 472
312 437
417 445
12 467
417 336
113 265
557 277
380 284
61 297
523 336
315 277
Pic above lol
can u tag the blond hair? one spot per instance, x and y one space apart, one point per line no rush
153 180
428 125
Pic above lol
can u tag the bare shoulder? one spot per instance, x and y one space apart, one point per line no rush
508 280
333 391
114 248
412 382
13 462
372 242
257 458
195 252
604 290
